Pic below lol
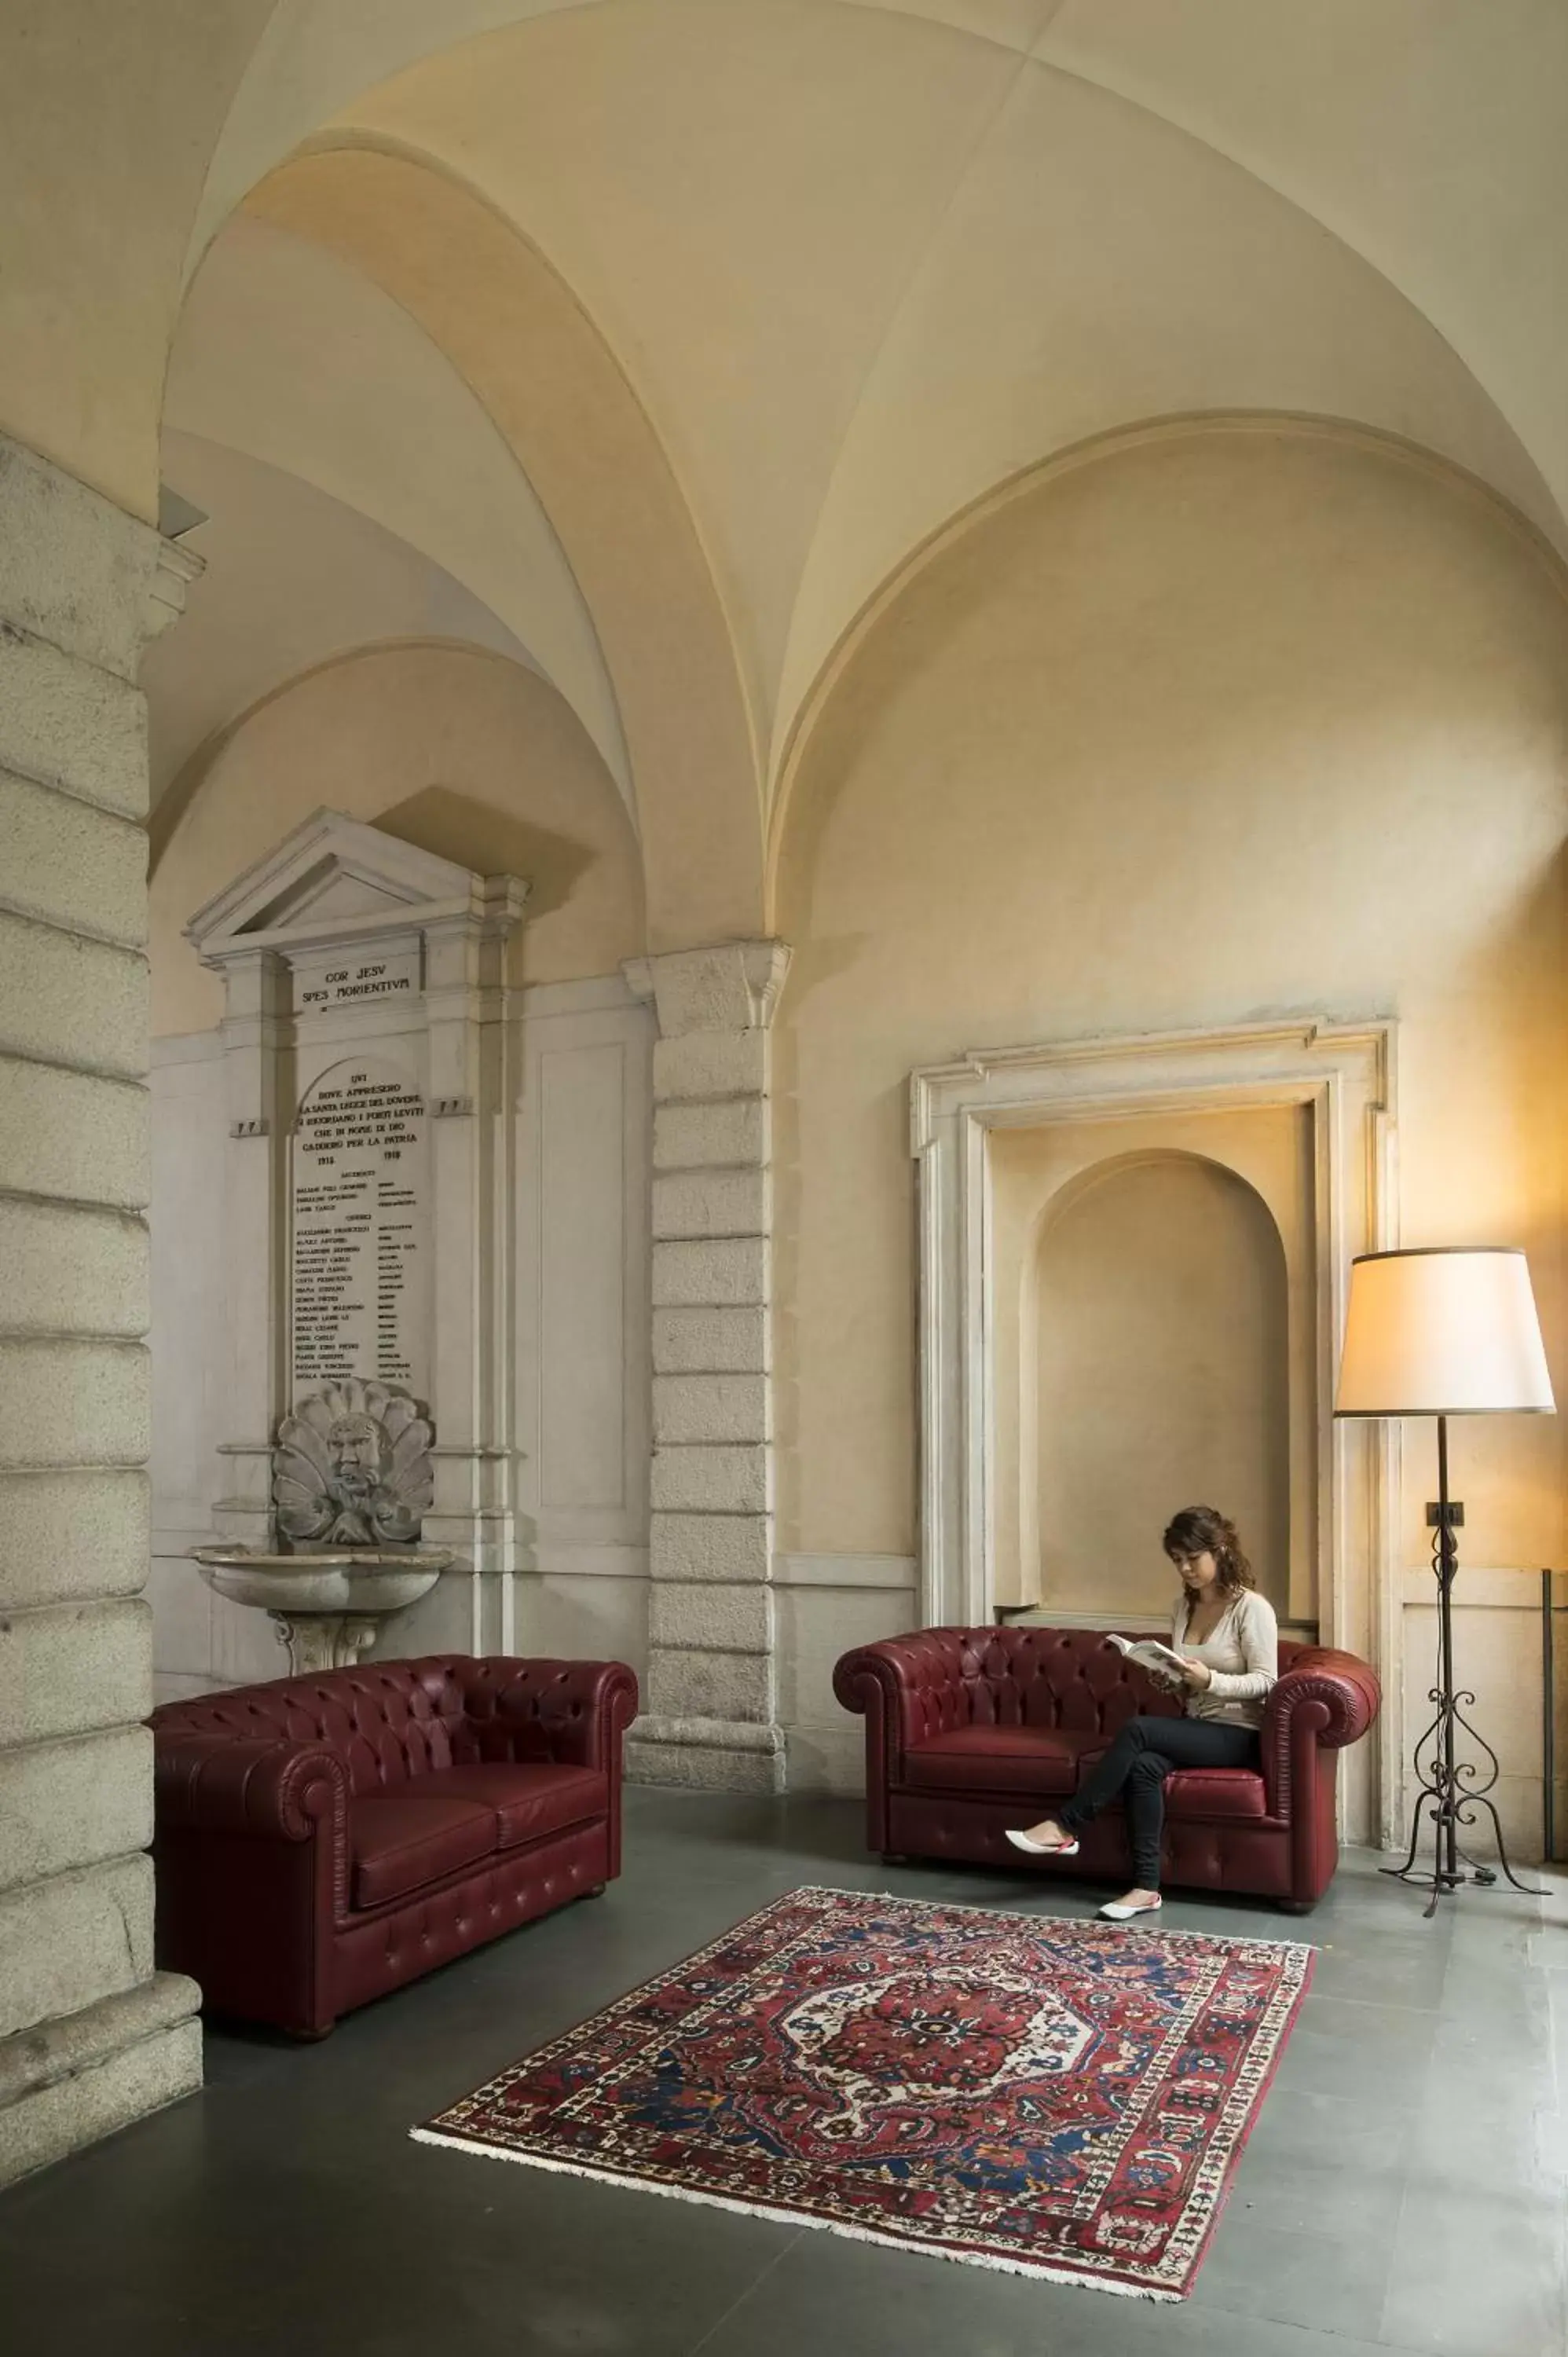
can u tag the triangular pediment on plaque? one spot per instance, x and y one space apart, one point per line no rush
337 879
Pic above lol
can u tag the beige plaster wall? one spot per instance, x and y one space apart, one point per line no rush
518 334
1154 1346
826 208
897 328
1222 727
455 750
111 114
1158 1312
292 579
1426 138
286 354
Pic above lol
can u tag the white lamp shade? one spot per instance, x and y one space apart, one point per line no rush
1442 1333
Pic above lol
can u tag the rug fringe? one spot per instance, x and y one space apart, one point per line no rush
1081 2279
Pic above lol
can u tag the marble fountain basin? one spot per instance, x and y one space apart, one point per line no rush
325 1606
344 1580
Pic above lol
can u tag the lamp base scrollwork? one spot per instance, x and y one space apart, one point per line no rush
1450 1804
1453 1786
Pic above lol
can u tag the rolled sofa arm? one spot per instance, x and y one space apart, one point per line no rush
906 1688
217 1783
919 1678
1326 1699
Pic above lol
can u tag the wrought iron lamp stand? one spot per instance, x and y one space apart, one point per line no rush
1453 1788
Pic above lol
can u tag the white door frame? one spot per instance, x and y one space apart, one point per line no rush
1343 1074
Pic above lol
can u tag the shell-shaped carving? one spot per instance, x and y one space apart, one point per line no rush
352 1468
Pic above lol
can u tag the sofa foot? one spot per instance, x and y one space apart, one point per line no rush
1296 1906
894 1858
596 1890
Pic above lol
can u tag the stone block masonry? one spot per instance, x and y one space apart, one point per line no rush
712 1711
90 2035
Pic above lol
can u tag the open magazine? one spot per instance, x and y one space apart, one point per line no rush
1150 1655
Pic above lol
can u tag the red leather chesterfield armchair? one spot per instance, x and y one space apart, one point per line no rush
321 1840
970 1730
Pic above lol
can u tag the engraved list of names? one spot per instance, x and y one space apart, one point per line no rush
361 1238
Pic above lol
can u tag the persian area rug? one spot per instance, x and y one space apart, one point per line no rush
1064 2099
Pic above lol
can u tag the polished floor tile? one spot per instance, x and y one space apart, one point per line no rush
1404 2188
829 2294
1479 2270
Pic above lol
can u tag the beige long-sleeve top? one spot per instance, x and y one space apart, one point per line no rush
1242 1658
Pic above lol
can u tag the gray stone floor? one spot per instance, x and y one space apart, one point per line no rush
1406 2186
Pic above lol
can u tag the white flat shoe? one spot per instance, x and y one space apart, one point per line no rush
1116 1912
1042 1849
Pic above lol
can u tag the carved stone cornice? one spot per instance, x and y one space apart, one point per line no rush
730 986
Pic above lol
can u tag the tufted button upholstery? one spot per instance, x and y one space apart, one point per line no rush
389 1722
321 1839
965 1727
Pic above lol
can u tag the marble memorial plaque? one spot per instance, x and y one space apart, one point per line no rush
361 1215
323 984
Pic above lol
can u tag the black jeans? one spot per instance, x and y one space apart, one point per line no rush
1143 1754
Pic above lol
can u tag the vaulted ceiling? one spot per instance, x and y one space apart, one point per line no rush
669 332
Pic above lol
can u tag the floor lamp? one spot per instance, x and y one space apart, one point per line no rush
1445 1332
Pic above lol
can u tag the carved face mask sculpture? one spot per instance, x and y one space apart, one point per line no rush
352 1468
355 1442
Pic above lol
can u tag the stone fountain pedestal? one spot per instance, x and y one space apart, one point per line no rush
327 1606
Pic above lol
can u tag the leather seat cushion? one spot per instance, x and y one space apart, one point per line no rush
530 1798
1035 1759
1052 1762
1211 1793
398 1844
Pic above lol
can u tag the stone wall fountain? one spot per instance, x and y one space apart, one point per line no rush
371 1076
352 1479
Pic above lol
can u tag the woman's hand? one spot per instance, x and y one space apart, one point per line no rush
1197 1674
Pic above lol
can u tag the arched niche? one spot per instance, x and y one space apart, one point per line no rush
1154 1364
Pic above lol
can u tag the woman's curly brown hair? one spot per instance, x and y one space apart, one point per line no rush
1203 1529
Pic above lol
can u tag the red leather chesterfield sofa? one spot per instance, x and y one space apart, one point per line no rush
970 1730
321 1840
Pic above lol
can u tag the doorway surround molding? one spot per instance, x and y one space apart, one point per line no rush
1342 1075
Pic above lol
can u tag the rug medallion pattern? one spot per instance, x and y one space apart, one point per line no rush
1059 2098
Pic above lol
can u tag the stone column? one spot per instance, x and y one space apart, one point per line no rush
90 2037
711 1718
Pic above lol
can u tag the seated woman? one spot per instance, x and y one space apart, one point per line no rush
1228 1639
